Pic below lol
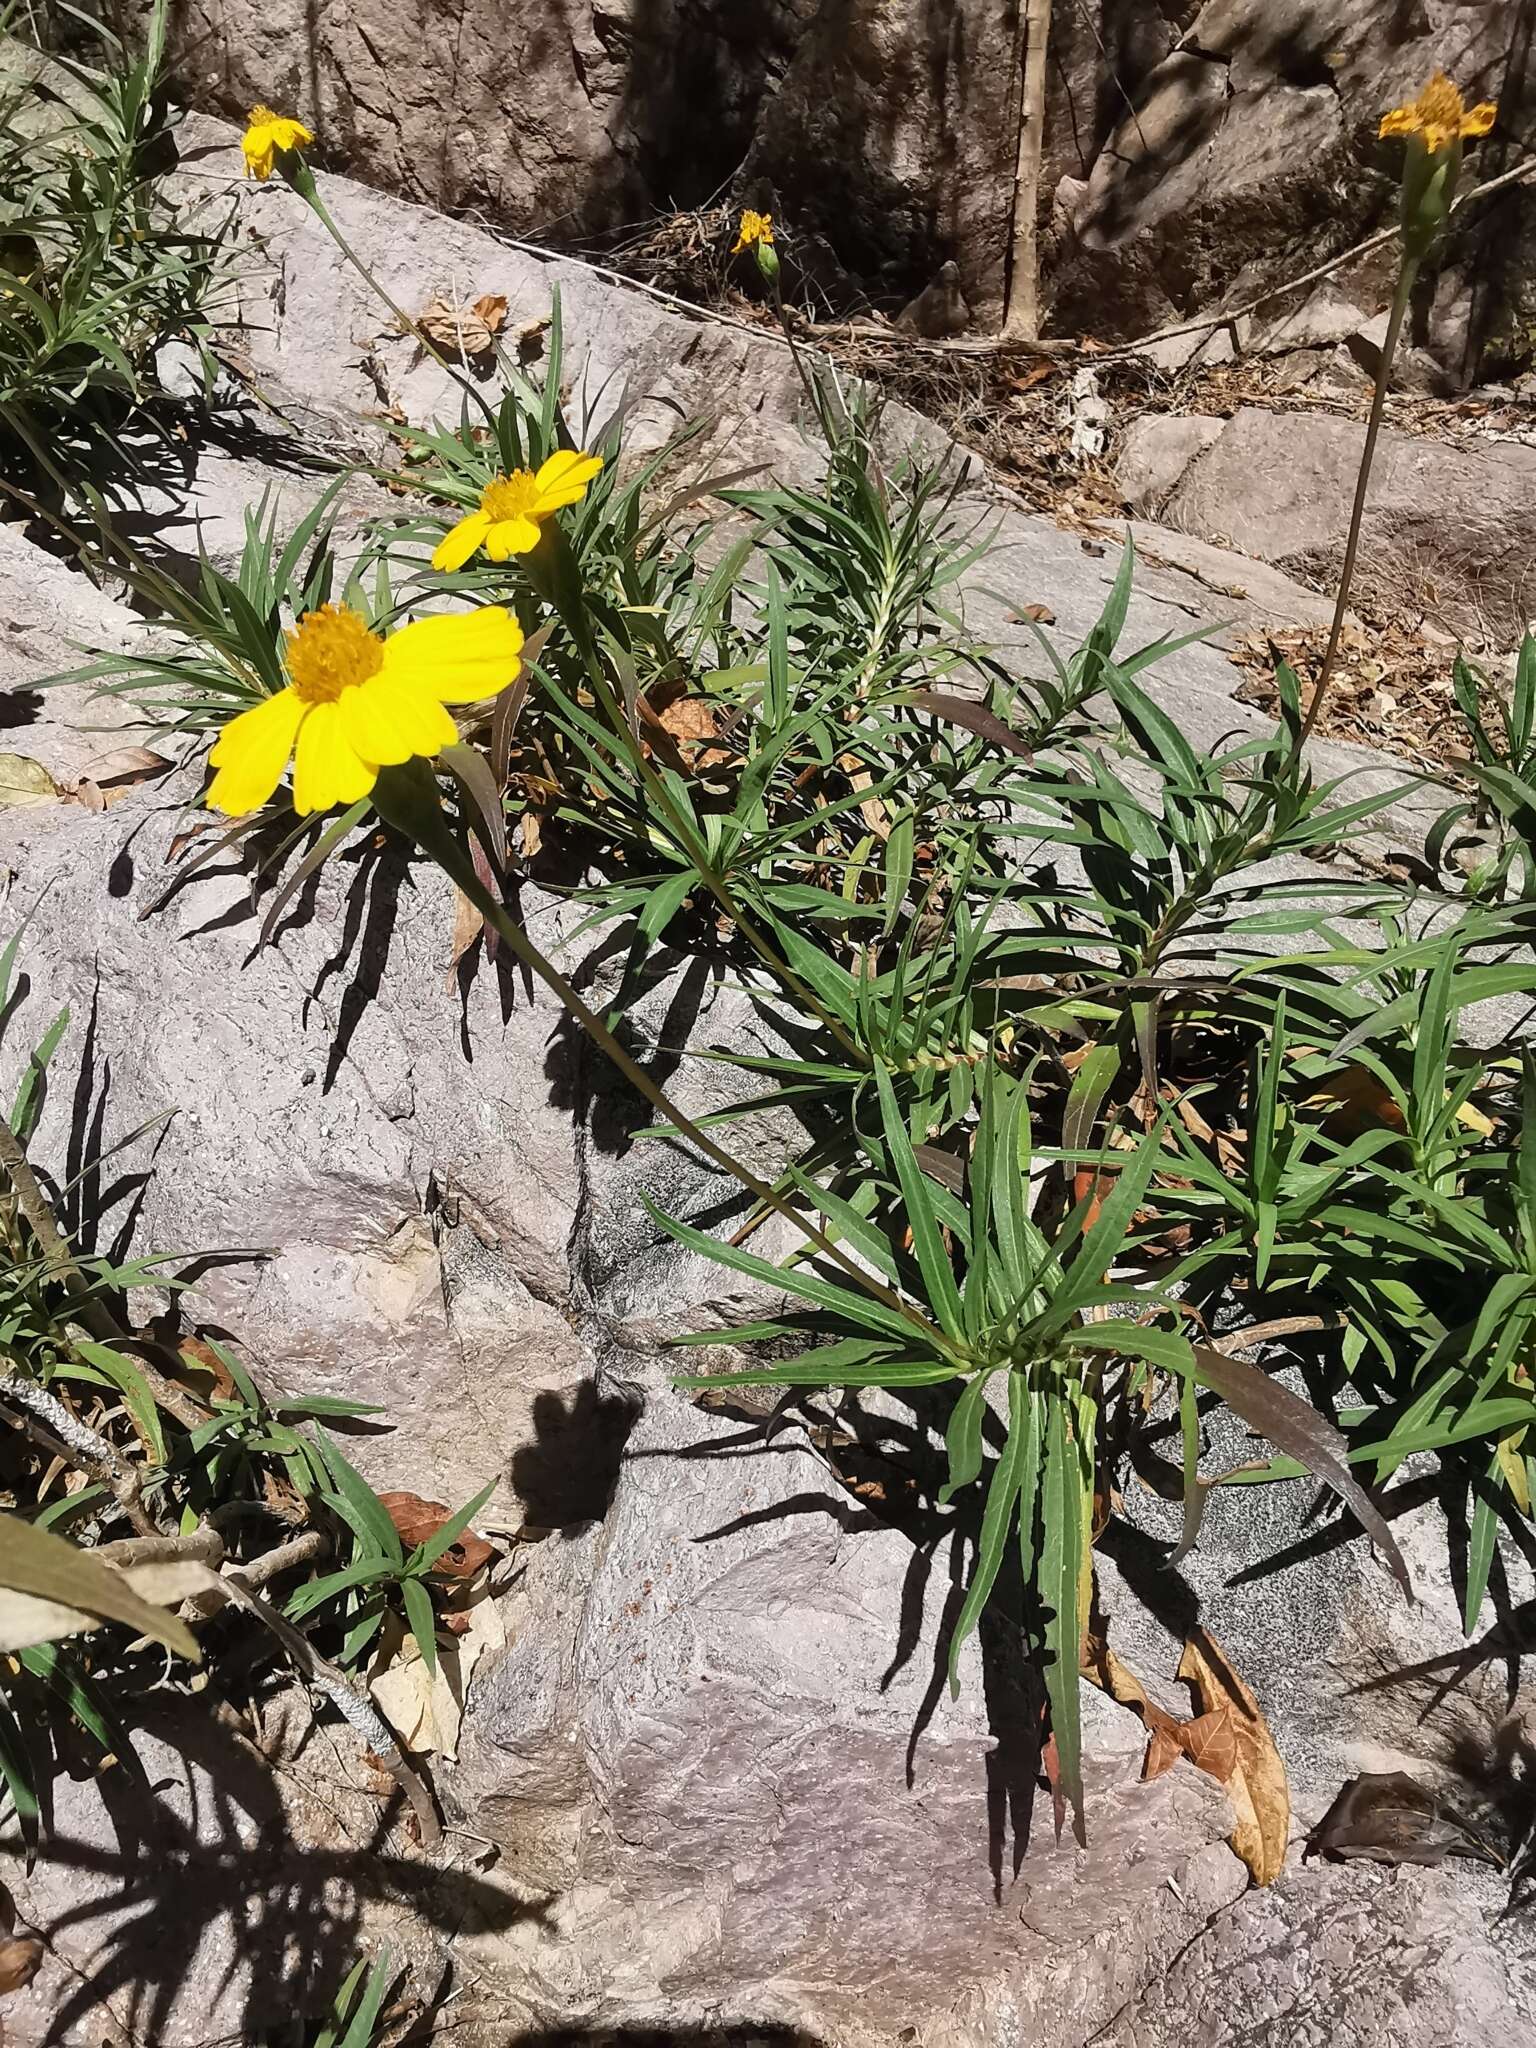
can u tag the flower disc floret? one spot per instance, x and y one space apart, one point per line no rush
329 651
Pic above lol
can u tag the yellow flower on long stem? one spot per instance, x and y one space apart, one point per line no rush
1439 116
265 134
356 701
755 227
513 509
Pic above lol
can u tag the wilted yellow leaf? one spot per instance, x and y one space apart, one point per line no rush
24 782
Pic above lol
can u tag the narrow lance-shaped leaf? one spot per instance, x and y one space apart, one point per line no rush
1013 1471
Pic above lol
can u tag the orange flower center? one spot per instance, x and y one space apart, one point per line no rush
261 117
510 497
329 651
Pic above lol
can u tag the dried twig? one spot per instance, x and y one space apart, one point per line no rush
63 1435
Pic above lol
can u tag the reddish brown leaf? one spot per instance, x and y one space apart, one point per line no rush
416 1519
1210 1743
202 1358
1163 1752
975 718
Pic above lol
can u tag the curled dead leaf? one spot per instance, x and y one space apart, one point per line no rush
468 924
1256 1785
468 329
111 777
1388 1817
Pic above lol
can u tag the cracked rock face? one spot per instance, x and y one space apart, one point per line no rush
1189 150
1197 154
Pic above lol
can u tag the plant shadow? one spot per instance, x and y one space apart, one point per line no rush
170 1902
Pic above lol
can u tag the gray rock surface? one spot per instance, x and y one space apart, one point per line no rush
1187 149
1359 1957
342 1112
719 1736
229 1889
1156 451
1448 531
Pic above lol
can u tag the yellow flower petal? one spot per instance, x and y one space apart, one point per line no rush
385 720
265 134
460 542
458 657
252 752
1479 119
512 537
327 769
259 148
563 479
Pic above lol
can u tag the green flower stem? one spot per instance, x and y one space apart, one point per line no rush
302 180
1407 272
406 798
552 569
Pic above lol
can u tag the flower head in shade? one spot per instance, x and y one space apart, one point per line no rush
357 701
1440 117
514 508
754 228
266 134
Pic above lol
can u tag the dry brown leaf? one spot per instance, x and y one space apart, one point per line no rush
1388 1817
1356 1101
533 835
470 329
1107 1671
468 924
416 1519
420 1705
202 1358
1210 1743
1163 1752
871 810
28 1618
20 1959
111 777
1257 1787
424 1707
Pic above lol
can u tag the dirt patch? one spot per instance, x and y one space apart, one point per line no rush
1391 687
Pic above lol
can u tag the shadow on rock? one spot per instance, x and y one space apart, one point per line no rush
565 1478
165 1904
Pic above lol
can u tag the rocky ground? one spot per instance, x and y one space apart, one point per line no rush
712 1786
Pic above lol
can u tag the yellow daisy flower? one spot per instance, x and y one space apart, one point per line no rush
356 702
265 135
513 508
755 227
1439 116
